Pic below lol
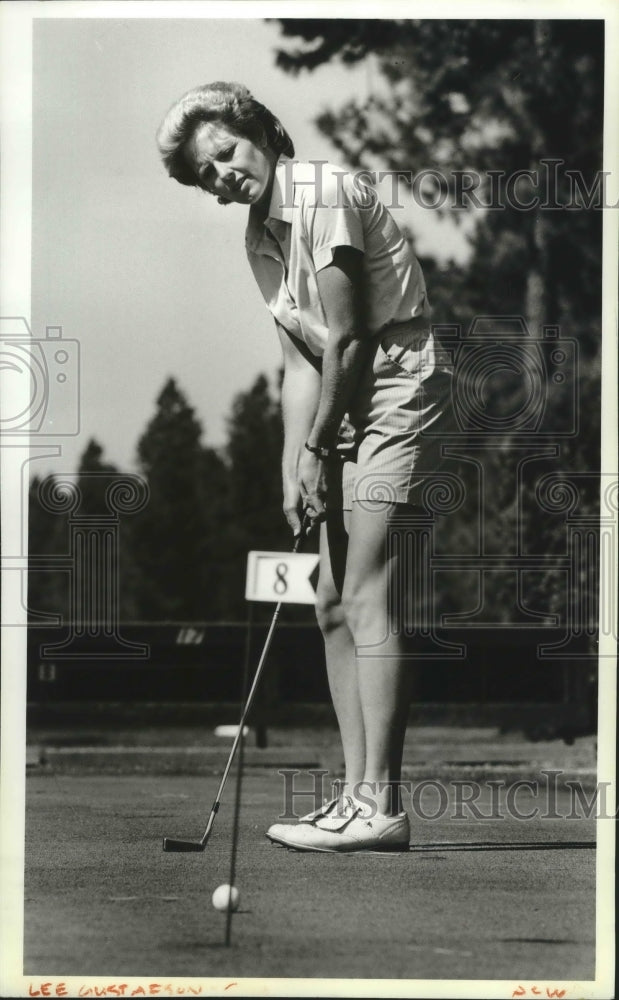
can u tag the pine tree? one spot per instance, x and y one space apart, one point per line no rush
48 541
95 478
176 535
254 450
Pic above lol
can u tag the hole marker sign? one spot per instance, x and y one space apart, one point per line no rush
281 576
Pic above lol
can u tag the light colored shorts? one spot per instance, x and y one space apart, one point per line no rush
392 439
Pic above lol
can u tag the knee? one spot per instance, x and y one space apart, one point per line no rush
364 612
353 606
329 611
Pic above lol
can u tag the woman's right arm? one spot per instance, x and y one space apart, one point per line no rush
300 396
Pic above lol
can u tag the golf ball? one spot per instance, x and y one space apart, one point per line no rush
225 896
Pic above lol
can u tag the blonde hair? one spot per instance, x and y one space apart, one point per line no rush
228 104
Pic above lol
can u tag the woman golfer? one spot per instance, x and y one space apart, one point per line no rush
350 307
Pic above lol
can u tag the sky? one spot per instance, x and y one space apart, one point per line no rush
148 276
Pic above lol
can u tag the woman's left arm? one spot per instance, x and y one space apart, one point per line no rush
340 286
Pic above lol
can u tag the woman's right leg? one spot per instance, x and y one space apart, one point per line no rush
339 645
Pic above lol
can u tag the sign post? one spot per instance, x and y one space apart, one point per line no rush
276 577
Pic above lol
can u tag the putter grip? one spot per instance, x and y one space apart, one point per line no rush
300 538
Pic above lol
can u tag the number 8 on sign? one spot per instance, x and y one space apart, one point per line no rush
281 586
281 576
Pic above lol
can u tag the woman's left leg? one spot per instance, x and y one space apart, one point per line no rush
384 673
339 645
379 689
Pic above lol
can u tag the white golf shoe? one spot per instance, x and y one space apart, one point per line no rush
350 827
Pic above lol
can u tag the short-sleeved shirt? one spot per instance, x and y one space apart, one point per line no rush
314 208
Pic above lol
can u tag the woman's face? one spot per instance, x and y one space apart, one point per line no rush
230 166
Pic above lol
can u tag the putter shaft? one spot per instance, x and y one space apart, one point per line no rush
172 845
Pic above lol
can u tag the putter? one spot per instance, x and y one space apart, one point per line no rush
191 846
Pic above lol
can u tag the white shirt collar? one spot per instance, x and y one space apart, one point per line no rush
280 205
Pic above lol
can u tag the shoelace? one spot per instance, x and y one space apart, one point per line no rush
348 808
326 809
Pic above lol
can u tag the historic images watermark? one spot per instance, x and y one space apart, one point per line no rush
552 795
549 186
41 404
92 562
41 381
514 393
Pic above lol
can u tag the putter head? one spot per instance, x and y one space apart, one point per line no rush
182 846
